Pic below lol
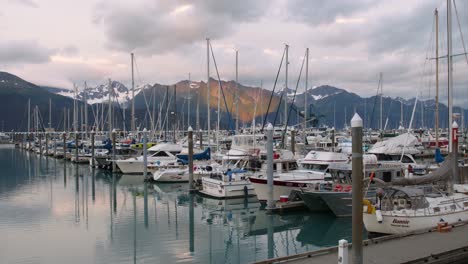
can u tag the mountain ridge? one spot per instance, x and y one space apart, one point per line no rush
327 105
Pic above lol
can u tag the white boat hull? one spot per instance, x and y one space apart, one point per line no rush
130 167
406 224
135 166
280 187
171 175
224 190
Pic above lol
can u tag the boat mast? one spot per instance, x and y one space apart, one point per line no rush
208 85
306 86
286 88
29 115
334 115
381 101
50 114
86 107
237 92
436 14
132 125
64 119
74 109
68 119
401 113
219 109
110 109
198 108
101 124
174 122
153 125
189 99
166 117
450 71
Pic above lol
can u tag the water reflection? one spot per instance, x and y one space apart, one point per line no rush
132 221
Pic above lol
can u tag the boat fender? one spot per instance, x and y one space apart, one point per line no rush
246 191
338 188
372 175
370 208
378 215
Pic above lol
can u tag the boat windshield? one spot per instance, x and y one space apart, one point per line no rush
400 200
315 167
160 154
341 176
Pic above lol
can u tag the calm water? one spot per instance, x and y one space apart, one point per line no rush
56 212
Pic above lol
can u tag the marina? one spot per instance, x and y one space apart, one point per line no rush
212 132
93 216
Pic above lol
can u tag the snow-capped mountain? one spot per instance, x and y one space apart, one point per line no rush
100 94
314 94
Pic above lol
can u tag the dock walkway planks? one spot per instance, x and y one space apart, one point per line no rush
398 250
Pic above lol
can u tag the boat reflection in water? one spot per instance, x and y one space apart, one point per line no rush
112 218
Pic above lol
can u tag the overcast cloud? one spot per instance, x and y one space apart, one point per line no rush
63 41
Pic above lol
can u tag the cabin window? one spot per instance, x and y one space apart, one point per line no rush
387 176
465 204
398 174
406 159
436 209
315 167
292 165
342 177
160 154
452 207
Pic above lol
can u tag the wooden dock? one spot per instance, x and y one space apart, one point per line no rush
426 247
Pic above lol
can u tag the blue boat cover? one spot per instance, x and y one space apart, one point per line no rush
438 156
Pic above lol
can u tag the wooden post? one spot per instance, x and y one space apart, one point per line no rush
269 146
114 168
40 143
190 158
145 153
357 178
46 144
201 139
64 145
293 141
76 146
93 165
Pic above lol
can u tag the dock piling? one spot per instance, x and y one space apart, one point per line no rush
46 144
40 143
114 169
455 172
293 141
333 139
269 146
76 146
55 145
145 154
190 158
64 145
357 178
92 149
343 255
200 135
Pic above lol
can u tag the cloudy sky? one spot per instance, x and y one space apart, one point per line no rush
58 42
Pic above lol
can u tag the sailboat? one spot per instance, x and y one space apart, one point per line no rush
411 205
416 204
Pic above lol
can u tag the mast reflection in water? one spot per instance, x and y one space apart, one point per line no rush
110 218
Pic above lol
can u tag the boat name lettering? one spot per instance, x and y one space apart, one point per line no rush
400 221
